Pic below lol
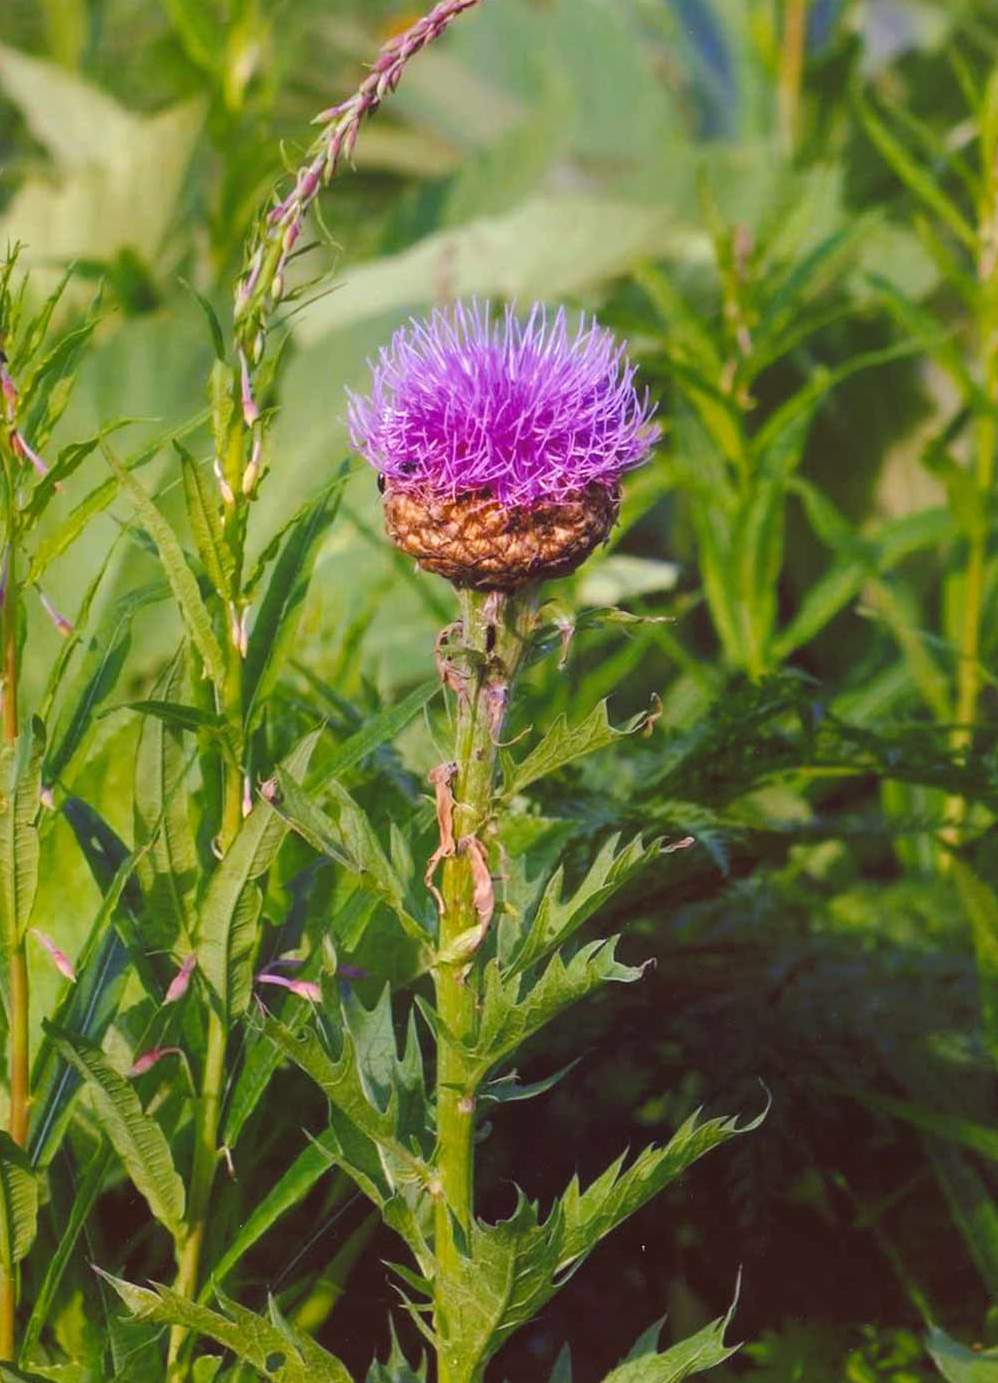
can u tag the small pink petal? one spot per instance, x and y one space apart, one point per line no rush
148 1060
59 958
683 844
25 450
180 983
305 989
250 410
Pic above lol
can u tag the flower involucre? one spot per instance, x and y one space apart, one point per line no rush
501 442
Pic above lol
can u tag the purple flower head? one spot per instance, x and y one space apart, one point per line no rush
523 410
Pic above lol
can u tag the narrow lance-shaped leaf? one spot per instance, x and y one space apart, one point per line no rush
20 789
230 908
277 619
18 1203
168 869
206 523
136 1136
349 839
177 570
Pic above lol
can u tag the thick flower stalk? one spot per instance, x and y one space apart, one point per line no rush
500 445
501 442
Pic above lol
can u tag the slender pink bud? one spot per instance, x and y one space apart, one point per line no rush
228 498
148 1060
252 472
59 958
47 799
304 989
10 395
250 411
181 981
23 449
61 623
683 844
247 795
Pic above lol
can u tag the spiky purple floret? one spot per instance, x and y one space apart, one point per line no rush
523 410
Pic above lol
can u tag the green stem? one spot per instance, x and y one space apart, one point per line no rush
209 1105
791 74
17 964
494 633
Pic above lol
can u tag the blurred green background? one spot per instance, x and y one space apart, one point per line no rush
613 155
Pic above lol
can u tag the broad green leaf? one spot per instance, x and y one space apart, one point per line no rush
227 930
556 918
177 571
84 1199
203 502
692 1356
136 1136
18 1203
277 1351
563 744
20 788
277 619
168 869
346 835
957 1364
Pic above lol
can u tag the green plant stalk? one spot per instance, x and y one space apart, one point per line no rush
17 963
968 669
791 73
494 631
209 1104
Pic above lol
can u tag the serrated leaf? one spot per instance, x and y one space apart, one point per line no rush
136 1137
957 1364
563 744
513 1011
277 618
342 1082
177 571
227 926
396 1368
278 1352
556 919
18 1203
695 1355
20 789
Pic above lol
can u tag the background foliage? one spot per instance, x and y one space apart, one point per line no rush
804 289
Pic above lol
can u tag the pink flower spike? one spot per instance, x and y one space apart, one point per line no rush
250 411
304 989
59 958
148 1060
181 981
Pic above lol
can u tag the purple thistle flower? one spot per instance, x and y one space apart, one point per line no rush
523 411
